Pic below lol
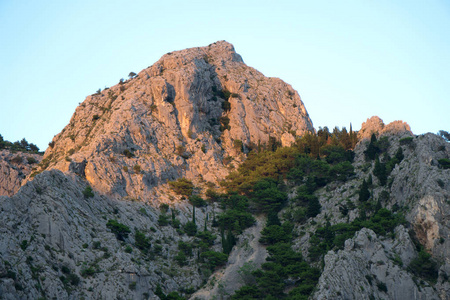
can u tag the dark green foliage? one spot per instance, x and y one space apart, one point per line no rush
206 239
22 145
261 165
190 228
341 171
333 237
120 230
182 186
364 193
186 248
24 245
235 220
313 208
444 163
128 153
224 123
87 192
248 292
141 241
164 207
214 259
226 105
382 286
399 154
376 147
163 220
238 145
181 258
88 272
267 197
197 201
274 234
424 266
380 171
406 141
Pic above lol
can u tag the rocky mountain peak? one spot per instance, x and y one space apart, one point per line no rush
376 125
192 114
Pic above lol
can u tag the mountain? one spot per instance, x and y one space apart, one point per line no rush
200 178
189 115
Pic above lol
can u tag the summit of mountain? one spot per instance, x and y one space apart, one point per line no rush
191 114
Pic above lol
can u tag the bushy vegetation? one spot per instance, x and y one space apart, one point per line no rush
182 186
444 163
22 146
282 266
424 266
88 192
120 230
332 237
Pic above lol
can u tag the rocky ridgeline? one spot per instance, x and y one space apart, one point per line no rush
371 266
190 115
377 126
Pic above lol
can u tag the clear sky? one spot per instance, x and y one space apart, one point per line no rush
348 60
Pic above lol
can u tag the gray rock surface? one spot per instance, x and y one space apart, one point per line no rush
14 168
372 268
183 116
248 255
50 227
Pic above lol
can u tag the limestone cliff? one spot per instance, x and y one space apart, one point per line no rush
14 168
190 114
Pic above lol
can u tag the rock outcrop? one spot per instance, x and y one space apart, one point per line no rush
190 114
377 126
55 244
14 168
420 188
372 268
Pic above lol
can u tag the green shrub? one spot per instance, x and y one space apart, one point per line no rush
424 266
197 201
214 259
406 141
31 160
382 286
182 186
88 272
87 192
190 228
444 163
137 169
17 159
132 285
163 220
120 230
181 258
128 153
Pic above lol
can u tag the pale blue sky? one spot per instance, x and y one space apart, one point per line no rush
348 60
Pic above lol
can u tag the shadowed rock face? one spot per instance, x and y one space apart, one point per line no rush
180 117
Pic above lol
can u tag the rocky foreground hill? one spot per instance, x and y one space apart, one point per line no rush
115 209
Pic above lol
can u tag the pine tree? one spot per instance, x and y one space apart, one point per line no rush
364 193
380 171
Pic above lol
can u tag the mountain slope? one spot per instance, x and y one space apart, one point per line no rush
190 114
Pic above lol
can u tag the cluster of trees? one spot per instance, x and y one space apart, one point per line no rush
282 266
22 145
332 237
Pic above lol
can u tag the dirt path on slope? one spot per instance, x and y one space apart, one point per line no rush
224 282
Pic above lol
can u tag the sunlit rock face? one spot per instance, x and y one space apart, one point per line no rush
180 117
